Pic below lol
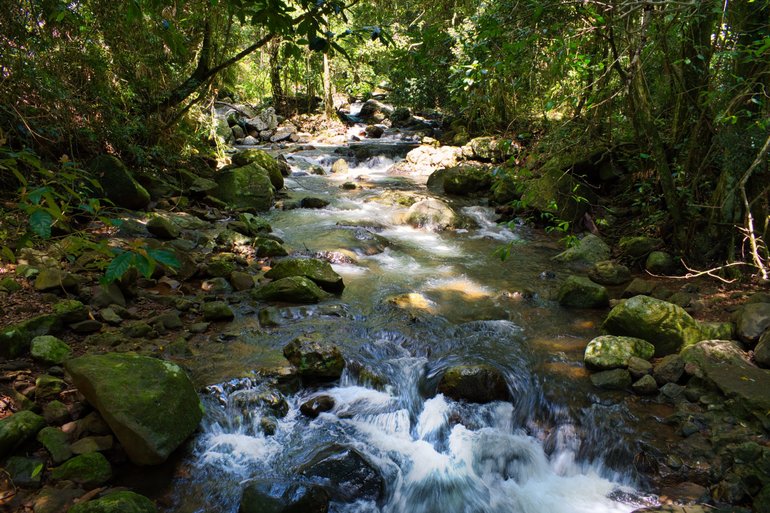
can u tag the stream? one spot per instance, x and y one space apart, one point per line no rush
415 303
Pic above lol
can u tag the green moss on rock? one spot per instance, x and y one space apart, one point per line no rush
320 271
17 429
612 352
89 470
116 502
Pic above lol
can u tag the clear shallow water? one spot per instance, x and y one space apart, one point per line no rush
553 448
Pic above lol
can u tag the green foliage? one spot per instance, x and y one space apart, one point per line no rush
138 257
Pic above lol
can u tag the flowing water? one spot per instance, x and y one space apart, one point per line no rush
556 447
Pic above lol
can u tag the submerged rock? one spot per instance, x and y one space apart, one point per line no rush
480 383
667 326
615 379
611 352
149 404
272 496
314 357
319 271
315 406
345 473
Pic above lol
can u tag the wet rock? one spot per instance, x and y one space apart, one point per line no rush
47 386
723 365
116 502
49 350
375 111
89 470
638 367
668 327
268 248
317 405
660 262
638 247
25 472
432 214
118 184
319 271
374 131
345 473
314 357
751 321
762 351
474 383
217 311
247 187
669 370
56 443
162 228
580 292
589 251
611 352
608 272
55 280
340 166
645 385
263 496
639 287
615 379
294 289
311 202
149 404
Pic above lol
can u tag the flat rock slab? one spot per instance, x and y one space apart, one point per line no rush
149 404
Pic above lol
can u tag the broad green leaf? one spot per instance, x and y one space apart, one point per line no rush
165 257
118 267
40 223
146 266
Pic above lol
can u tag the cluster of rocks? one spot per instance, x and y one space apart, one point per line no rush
244 125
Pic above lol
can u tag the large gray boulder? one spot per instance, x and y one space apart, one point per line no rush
320 271
294 289
432 214
667 326
118 184
613 352
247 187
723 365
149 404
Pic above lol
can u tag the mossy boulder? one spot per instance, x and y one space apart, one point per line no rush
17 429
56 443
162 228
47 386
279 497
638 246
751 321
89 470
118 184
294 289
613 352
314 357
16 339
491 148
717 330
116 502
49 350
217 311
667 326
320 271
590 250
246 187
479 383
277 169
466 180
608 272
580 292
660 262
556 194
149 404
51 279
265 247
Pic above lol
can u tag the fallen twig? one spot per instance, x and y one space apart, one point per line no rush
694 273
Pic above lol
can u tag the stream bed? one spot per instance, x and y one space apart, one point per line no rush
415 302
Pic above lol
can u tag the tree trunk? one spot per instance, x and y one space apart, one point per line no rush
329 111
279 97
